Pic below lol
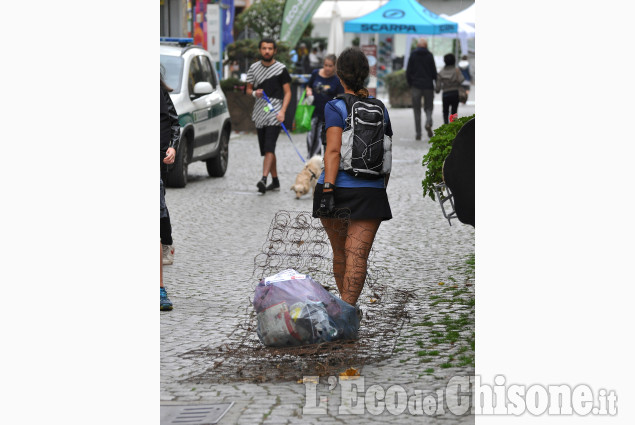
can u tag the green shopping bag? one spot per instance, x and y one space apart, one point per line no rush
303 114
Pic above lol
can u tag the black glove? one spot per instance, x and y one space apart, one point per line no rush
327 203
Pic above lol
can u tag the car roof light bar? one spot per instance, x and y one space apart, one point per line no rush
178 40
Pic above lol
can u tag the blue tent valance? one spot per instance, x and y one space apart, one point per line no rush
401 17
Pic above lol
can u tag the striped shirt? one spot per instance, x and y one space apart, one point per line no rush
271 79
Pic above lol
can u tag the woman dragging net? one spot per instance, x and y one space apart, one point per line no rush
351 207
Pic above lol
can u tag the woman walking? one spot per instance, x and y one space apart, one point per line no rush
449 80
350 208
323 86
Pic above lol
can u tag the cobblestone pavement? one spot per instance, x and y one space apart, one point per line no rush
220 225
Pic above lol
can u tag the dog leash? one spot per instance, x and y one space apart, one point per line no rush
271 109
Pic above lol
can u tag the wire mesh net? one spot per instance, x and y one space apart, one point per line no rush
298 241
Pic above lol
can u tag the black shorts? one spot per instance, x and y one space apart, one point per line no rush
363 203
267 138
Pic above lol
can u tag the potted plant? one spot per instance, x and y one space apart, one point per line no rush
398 90
239 105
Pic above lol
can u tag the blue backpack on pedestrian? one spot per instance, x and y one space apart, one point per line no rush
366 149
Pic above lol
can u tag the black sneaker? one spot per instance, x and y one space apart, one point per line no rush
261 186
429 130
273 186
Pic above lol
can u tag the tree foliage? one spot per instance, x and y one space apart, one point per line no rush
246 52
263 17
264 20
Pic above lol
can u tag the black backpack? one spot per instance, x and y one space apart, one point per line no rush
366 149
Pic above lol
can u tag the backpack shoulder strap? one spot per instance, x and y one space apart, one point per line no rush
349 100
341 106
376 101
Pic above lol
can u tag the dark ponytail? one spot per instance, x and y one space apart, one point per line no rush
352 68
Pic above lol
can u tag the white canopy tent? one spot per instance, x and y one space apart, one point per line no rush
323 17
464 33
348 9
465 20
466 16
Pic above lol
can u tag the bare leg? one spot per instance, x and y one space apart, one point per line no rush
269 165
336 230
360 237
274 169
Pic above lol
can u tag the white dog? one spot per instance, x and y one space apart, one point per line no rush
308 177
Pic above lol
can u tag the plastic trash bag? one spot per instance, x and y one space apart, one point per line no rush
293 309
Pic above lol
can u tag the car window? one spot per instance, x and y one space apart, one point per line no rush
196 75
209 70
172 71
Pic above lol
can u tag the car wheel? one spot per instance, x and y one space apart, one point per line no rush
216 167
178 174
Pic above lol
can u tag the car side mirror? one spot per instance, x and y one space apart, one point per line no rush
201 88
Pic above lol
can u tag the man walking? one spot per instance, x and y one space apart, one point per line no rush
271 77
421 74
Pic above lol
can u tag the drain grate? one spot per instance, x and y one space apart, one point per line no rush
194 414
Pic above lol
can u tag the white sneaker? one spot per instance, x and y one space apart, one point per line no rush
168 254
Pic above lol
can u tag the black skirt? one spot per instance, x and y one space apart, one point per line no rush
355 203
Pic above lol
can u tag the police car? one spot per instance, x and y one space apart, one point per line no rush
202 107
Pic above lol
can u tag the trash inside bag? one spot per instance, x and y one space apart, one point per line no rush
293 309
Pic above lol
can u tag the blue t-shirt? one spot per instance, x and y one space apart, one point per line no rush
335 116
324 89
